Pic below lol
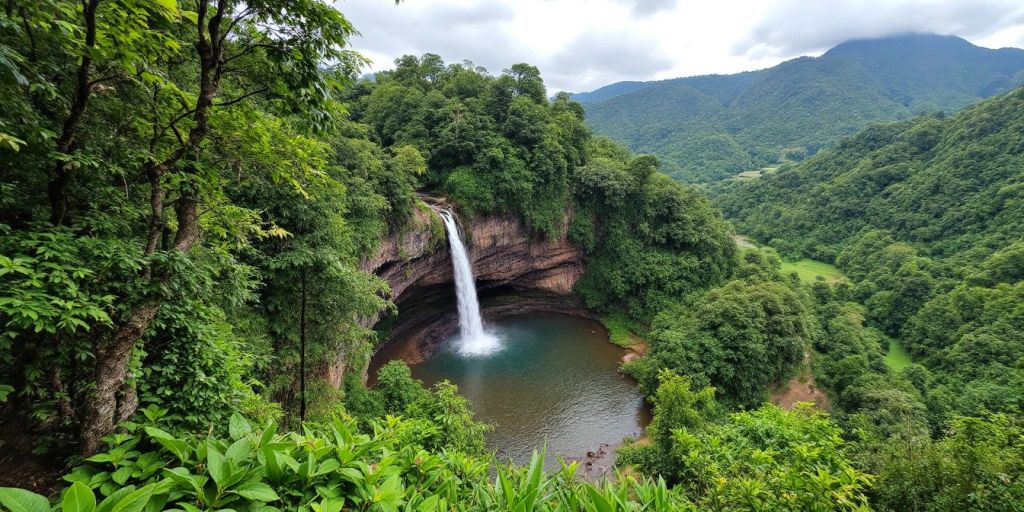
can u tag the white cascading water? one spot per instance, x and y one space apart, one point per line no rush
473 339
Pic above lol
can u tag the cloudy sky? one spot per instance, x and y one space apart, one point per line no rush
580 45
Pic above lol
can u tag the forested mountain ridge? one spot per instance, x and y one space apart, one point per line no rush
188 188
926 219
707 128
949 186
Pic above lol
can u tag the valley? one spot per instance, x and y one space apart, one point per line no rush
709 128
244 268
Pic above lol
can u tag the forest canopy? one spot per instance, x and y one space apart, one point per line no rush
187 189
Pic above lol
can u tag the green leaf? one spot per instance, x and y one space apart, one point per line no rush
20 500
273 467
238 427
78 498
156 433
239 450
217 465
257 491
191 16
121 475
600 503
429 504
168 6
134 501
176 446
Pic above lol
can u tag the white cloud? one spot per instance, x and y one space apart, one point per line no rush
643 7
801 26
583 44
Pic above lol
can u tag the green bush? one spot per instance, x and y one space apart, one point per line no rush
326 468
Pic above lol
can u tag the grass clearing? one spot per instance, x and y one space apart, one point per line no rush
743 242
897 357
621 330
809 270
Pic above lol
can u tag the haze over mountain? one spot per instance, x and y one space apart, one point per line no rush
706 128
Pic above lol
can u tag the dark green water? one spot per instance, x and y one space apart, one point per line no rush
555 381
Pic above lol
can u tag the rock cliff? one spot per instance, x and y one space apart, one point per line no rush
516 272
503 252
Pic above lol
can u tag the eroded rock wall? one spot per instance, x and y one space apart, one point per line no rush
516 272
503 252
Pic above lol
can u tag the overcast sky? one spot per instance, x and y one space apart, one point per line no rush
580 45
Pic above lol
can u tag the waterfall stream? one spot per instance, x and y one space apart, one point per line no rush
473 339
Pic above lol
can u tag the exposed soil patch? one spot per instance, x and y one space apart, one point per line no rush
19 467
799 389
637 348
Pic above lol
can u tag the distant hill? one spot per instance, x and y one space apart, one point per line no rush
707 128
952 187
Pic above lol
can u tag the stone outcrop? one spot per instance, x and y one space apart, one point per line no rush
501 248
516 272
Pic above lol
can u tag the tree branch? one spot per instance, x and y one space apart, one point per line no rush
242 97
102 79
231 26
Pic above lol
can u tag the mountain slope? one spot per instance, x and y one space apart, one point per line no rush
707 128
952 187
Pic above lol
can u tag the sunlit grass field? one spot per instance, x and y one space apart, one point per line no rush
809 270
897 357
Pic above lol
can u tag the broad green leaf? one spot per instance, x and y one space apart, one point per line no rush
217 465
114 497
239 450
273 467
257 491
20 500
121 475
78 498
238 426
134 501
429 504
168 6
156 433
600 503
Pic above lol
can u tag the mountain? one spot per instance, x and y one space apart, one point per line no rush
951 187
707 128
609 91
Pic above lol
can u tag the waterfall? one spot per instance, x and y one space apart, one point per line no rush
473 339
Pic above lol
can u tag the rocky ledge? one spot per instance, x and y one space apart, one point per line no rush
516 272
503 252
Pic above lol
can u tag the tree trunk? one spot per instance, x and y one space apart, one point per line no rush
57 189
156 206
302 351
112 355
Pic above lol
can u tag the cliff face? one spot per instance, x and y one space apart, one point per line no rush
515 273
502 251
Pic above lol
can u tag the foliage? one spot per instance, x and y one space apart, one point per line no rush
496 144
621 330
328 467
920 215
151 155
444 417
738 338
947 187
492 144
766 459
976 466
653 240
